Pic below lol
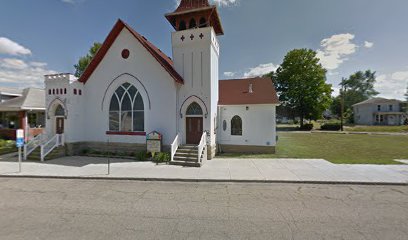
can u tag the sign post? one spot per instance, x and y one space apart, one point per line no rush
19 144
154 143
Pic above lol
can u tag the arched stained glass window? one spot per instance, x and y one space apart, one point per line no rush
60 111
236 126
126 110
194 110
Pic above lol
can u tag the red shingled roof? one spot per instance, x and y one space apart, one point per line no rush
237 92
186 5
162 58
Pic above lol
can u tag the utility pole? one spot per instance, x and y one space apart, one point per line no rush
342 92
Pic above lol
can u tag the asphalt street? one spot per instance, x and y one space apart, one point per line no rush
90 209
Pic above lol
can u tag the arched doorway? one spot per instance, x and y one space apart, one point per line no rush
59 119
194 123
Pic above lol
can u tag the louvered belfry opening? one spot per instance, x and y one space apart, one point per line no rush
194 14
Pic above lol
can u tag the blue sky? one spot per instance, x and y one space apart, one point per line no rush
46 36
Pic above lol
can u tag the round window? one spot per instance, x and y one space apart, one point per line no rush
224 125
125 53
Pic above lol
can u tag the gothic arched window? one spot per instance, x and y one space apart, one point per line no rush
236 126
194 110
203 23
193 23
60 112
182 25
126 110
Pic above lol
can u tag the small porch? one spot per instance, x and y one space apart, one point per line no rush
25 112
388 118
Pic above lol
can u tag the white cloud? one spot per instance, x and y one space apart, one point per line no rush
68 1
225 2
368 44
260 70
229 74
12 63
334 50
18 73
400 75
392 85
10 47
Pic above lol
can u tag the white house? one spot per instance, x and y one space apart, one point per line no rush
131 88
379 111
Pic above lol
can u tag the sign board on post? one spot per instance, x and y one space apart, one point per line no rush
154 142
20 138
19 144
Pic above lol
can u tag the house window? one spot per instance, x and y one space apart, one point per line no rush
379 107
49 91
65 91
390 107
75 91
224 125
126 110
236 126
80 92
53 91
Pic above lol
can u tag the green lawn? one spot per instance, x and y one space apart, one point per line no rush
339 148
377 129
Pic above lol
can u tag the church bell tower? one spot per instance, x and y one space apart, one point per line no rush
195 55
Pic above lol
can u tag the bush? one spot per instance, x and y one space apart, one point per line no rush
162 157
331 126
141 156
306 127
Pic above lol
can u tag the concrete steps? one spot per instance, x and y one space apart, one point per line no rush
56 153
186 156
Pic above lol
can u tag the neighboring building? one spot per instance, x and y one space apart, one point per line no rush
379 111
131 88
9 93
24 112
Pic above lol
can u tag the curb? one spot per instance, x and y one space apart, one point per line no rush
205 180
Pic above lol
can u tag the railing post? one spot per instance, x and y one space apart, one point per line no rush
25 152
42 153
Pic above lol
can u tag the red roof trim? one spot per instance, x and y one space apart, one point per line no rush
162 58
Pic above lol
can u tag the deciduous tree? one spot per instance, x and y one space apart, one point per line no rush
84 61
301 84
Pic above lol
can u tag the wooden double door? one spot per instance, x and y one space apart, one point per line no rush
194 130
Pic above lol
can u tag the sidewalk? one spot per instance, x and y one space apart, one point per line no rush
228 170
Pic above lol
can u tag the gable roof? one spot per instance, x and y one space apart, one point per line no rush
10 91
237 91
32 99
377 101
162 58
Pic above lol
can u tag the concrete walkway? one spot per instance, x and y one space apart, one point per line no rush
256 170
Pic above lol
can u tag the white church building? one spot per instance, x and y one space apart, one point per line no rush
131 88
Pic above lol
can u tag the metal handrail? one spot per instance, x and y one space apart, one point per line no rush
174 146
